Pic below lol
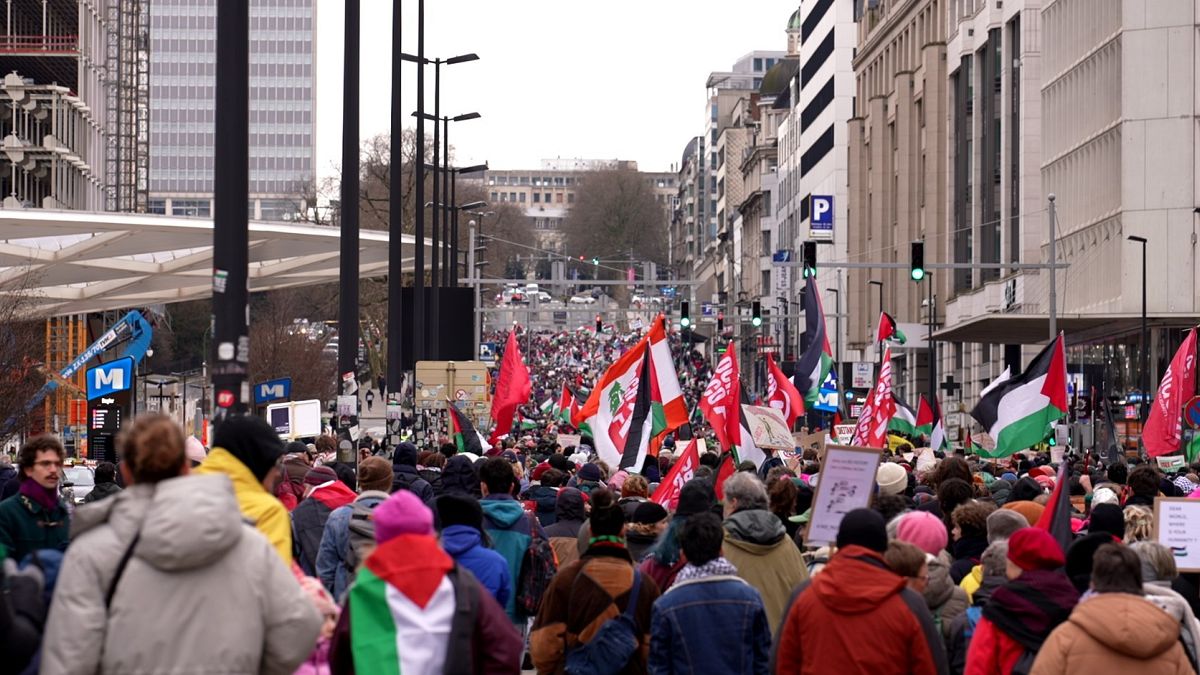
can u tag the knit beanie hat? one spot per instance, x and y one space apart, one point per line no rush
1001 524
1104 495
590 472
561 463
195 450
401 513
1108 518
648 513
405 455
1032 548
923 529
459 510
252 441
863 527
374 473
1031 510
319 475
892 478
696 496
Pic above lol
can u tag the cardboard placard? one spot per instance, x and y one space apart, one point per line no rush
1171 462
767 428
1177 526
846 482
815 441
568 440
843 433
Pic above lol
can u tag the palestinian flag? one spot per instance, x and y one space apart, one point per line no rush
525 424
929 423
1017 412
889 331
970 446
817 360
904 420
466 437
566 406
547 407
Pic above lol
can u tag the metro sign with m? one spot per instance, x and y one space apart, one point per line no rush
272 390
109 378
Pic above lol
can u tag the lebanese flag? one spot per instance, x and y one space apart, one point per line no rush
888 330
722 400
466 437
512 389
782 394
817 360
1164 426
904 419
667 493
877 412
623 424
1017 411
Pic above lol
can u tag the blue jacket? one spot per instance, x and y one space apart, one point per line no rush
335 542
507 524
465 544
714 624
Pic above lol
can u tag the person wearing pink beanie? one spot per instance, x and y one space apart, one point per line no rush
401 513
923 529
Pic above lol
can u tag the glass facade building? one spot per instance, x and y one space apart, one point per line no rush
282 106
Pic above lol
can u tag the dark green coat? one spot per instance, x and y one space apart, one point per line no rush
26 527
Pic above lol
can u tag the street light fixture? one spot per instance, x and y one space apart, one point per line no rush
1145 365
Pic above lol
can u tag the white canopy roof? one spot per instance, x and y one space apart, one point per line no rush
87 262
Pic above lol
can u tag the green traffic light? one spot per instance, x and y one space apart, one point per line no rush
595 261
756 321
918 274
685 322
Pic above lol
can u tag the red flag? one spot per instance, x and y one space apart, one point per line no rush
724 471
1164 426
871 431
512 389
721 403
782 394
667 494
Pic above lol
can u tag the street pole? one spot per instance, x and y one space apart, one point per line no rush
453 282
1053 273
431 326
420 320
348 216
1145 364
395 365
932 347
231 194
472 274
447 202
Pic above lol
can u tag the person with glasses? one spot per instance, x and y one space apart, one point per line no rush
35 518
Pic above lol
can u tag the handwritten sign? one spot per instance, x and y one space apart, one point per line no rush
569 440
846 481
767 428
1177 526
1171 462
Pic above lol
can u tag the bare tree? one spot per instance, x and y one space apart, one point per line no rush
277 350
615 214
22 355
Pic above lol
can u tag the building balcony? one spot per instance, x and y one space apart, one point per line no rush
39 45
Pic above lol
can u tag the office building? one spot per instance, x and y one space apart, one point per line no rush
282 107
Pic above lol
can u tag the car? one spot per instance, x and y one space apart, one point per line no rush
77 482
582 300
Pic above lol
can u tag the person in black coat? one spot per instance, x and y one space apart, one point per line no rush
405 476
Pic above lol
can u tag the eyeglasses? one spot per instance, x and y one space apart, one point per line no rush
48 463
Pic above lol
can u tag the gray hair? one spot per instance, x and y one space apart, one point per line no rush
995 559
1158 564
747 489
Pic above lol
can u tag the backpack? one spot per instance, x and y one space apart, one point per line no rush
361 539
537 569
613 645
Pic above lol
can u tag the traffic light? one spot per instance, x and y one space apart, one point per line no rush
917 258
596 261
599 324
756 314
809 258
685 319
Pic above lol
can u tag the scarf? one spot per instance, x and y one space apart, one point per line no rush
716 566
1031 606
45 497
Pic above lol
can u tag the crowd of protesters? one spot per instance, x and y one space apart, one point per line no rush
261 556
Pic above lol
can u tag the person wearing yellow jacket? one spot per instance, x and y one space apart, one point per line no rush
247 449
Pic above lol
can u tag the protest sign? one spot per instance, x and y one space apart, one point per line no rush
1171 462
568 440
846 482
1177 526
767 428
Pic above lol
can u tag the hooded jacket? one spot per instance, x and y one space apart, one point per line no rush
568 529
459 477
1017 617
256 504
405 476
509 527
1114 633
856 616
543 501
102 490
946 602
308 521
465 544
757 545
220 578
1174 604
332 558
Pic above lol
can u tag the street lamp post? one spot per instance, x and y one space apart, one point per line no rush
1145 365
874 282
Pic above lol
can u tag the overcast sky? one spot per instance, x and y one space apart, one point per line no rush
617 79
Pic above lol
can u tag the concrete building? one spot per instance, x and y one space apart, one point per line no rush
897 162
282 107
1118 101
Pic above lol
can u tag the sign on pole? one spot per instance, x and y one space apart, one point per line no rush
820 223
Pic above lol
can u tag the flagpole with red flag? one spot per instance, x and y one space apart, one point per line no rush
512 389
1163 431
1056 518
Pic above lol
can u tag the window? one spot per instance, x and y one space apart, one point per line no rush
522 197
512 196
537 197
547 198
758 63
766 282
570 197
558 198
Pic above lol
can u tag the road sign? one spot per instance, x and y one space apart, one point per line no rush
1191 412
109 378
820 224
272 390
460 395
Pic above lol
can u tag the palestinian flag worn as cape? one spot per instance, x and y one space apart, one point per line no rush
1017 412
466 437
904 420
817 360
888 330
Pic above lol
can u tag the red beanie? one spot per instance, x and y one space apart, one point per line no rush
539 471
1032 548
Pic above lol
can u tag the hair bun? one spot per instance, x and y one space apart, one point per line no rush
602 499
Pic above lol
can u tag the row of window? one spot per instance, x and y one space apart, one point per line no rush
538 197
537 181
167 71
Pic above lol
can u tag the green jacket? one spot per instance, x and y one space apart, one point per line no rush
26 527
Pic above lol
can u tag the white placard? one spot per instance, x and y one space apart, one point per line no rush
846 481
768 428
1177 526
569 440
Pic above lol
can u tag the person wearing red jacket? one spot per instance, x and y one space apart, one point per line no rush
857 616
1019 615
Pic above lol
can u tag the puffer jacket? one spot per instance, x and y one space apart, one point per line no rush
459 477
946 601
464 543
542 500
1177 606
757 545
222 580
257 505
1114 633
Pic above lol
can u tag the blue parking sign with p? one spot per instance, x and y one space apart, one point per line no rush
821 217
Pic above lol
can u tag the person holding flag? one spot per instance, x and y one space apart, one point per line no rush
513 388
